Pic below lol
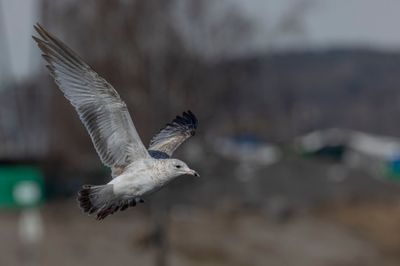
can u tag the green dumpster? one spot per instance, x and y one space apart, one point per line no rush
21 186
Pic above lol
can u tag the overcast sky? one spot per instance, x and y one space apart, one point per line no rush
325 24
328 23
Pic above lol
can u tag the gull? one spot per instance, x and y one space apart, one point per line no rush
135 170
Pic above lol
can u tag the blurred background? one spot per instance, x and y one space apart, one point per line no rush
298 144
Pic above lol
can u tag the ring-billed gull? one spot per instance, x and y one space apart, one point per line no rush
136 171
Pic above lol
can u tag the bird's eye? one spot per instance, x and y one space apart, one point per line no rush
178 166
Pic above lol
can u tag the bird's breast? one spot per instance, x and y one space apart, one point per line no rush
138 181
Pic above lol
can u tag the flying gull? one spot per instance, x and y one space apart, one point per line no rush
136 171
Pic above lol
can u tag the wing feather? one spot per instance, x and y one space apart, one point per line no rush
173 135
98 104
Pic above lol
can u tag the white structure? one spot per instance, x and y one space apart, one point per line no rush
361 150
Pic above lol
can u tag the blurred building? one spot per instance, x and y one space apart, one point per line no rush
375 154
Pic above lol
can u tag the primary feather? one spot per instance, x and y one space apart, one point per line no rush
173 135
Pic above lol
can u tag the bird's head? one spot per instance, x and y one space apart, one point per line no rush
177 167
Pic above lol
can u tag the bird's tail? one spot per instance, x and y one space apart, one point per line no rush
97 199
102 201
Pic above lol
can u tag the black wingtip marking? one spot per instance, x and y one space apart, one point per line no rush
187 119
179 129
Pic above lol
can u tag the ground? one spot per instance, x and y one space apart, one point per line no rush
344 235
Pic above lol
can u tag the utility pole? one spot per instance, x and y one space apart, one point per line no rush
9 111
5 62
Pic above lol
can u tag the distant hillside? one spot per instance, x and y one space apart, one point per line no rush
297 92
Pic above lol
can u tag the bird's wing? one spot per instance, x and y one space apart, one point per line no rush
173 134
99 106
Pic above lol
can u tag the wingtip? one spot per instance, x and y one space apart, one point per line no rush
190 115
36 39
38 27
45 35
42 33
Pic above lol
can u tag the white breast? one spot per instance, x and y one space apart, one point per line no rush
140 178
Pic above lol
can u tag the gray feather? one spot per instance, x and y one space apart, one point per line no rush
99 106
173 135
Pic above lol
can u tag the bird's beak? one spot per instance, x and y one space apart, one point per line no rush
193 173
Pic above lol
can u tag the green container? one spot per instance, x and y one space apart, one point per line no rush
21 186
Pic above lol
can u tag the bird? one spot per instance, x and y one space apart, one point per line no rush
135 171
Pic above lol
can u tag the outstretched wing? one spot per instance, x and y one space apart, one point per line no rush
99 106
173 134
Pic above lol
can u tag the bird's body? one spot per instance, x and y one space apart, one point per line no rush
136 171
143 177
140 178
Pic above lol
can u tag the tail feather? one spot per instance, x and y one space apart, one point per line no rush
84 199
102 201
98 199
